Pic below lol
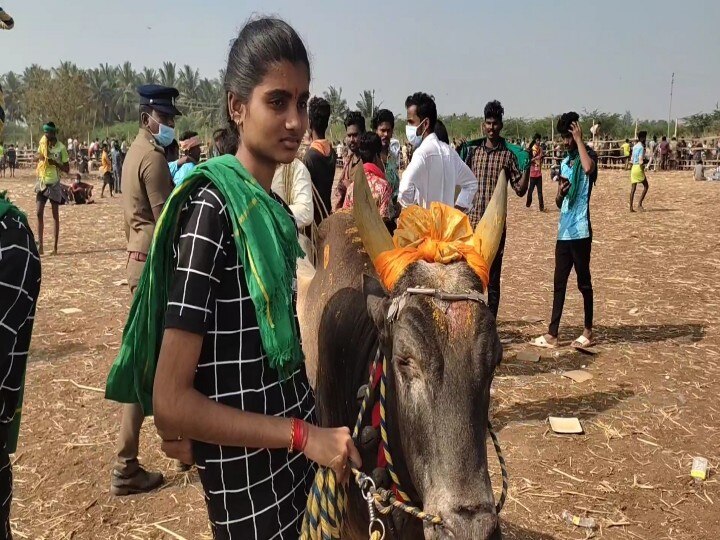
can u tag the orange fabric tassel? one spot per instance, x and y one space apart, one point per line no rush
439 234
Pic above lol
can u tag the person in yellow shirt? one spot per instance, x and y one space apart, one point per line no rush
52 158
106 171
625 147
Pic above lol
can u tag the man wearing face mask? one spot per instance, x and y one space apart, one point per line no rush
435 169
147 183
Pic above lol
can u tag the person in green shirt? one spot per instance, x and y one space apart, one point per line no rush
52 158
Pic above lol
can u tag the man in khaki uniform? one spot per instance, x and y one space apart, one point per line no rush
147 184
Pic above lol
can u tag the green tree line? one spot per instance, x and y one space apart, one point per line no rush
102 101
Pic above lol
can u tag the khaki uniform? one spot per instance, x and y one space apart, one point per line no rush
147 184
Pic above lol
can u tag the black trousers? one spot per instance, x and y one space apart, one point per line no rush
535 183
571 254
494 285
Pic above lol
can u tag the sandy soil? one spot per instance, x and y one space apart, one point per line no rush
650 407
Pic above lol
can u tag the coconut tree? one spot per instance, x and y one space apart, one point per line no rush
367 104
12 85
338 105
126 97
149 76
168 74
188 81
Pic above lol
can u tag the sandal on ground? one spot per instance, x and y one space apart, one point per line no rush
542 343
583 343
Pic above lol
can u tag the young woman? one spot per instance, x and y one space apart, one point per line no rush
230 392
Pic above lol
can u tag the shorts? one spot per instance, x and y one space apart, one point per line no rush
53 193
637 174
108 179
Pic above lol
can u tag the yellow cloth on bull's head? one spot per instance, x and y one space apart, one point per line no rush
440 234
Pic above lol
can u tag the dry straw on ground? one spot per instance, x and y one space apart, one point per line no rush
649 408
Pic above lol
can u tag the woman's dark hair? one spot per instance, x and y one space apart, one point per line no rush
188 135
224 144
382 116
319 114
564 122
536 137
355 118
262 43
369 146
424 107
642 135
494 109
442 132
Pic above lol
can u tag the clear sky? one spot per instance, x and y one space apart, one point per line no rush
538 58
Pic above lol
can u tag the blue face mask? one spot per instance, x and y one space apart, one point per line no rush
165 134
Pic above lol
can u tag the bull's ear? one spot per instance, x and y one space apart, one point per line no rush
376 300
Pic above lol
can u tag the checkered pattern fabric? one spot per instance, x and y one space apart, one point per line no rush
19 289
486 164
250 493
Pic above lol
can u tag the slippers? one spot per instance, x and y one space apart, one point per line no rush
583 343
542 343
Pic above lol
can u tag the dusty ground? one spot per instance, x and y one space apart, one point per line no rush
650 407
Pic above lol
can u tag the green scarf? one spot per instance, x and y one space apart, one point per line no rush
6 207
267 246
574 179
522 155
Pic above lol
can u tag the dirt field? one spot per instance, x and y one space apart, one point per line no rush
651 405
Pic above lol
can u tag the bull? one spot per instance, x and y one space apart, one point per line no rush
442 356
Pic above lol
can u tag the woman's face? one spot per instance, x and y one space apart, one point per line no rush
275 118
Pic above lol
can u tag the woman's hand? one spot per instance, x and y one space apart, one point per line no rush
332 447
180 449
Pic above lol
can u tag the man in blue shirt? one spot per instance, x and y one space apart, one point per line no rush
190 149
578 173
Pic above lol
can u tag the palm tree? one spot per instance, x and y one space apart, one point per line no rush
126 98
148 76
101 94
66 69
367 104
188 81
168 74
207 107
338 105
13 86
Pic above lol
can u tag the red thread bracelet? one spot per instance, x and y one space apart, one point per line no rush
298 434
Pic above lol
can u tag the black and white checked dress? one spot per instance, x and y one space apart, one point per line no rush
19 290
250 493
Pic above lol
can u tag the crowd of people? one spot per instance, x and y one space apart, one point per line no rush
214 300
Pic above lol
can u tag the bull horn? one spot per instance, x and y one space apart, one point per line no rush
488 232
371 228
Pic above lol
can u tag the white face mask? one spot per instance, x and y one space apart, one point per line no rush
412 135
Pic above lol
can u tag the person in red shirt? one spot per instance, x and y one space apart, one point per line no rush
369 150
536 173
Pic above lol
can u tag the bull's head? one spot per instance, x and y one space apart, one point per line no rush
443 358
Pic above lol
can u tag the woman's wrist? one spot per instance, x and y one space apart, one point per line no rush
299 434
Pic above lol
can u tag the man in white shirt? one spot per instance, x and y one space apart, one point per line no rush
435 169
